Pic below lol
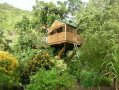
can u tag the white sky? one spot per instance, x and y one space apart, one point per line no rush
27 4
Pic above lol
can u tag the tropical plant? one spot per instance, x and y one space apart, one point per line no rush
111 68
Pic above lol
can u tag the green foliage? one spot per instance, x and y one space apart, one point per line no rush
89 78
4 42
99 25
96 62
50 80
7 82
9 16
60 65
29 40
74 67
29 45
24 24
105 81
46 13
8 65
4 81
95 49
7 62
74 6
111 68
41 60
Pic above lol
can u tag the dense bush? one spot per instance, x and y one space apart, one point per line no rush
41 60
89 78
74 68
60 65
8 64
51 80
105 81
5 81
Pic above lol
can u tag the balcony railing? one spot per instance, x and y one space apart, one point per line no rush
60 38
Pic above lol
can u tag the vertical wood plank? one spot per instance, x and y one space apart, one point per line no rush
65 31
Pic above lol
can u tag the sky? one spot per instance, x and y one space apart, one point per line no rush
27 4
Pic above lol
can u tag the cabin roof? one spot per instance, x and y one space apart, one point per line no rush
70 23
56 24
59 23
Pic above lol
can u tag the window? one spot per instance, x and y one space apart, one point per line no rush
59 30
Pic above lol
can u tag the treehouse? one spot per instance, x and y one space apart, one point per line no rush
63 36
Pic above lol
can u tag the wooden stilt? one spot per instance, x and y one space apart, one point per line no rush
62 51
72 55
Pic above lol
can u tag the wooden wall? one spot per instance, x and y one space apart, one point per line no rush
70 36
56 38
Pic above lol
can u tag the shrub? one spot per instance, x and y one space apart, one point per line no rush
74 67
89 78
7 62
51 80
40 60
105 81
60 65
4 81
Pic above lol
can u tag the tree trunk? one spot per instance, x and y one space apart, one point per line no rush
98 87
115 84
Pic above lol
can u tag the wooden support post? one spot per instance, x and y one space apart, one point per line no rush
65 31
72 55
62 51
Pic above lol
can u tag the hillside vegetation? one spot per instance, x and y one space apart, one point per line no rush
29 63
9 16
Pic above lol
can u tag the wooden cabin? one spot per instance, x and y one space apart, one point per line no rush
61 32
63 36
